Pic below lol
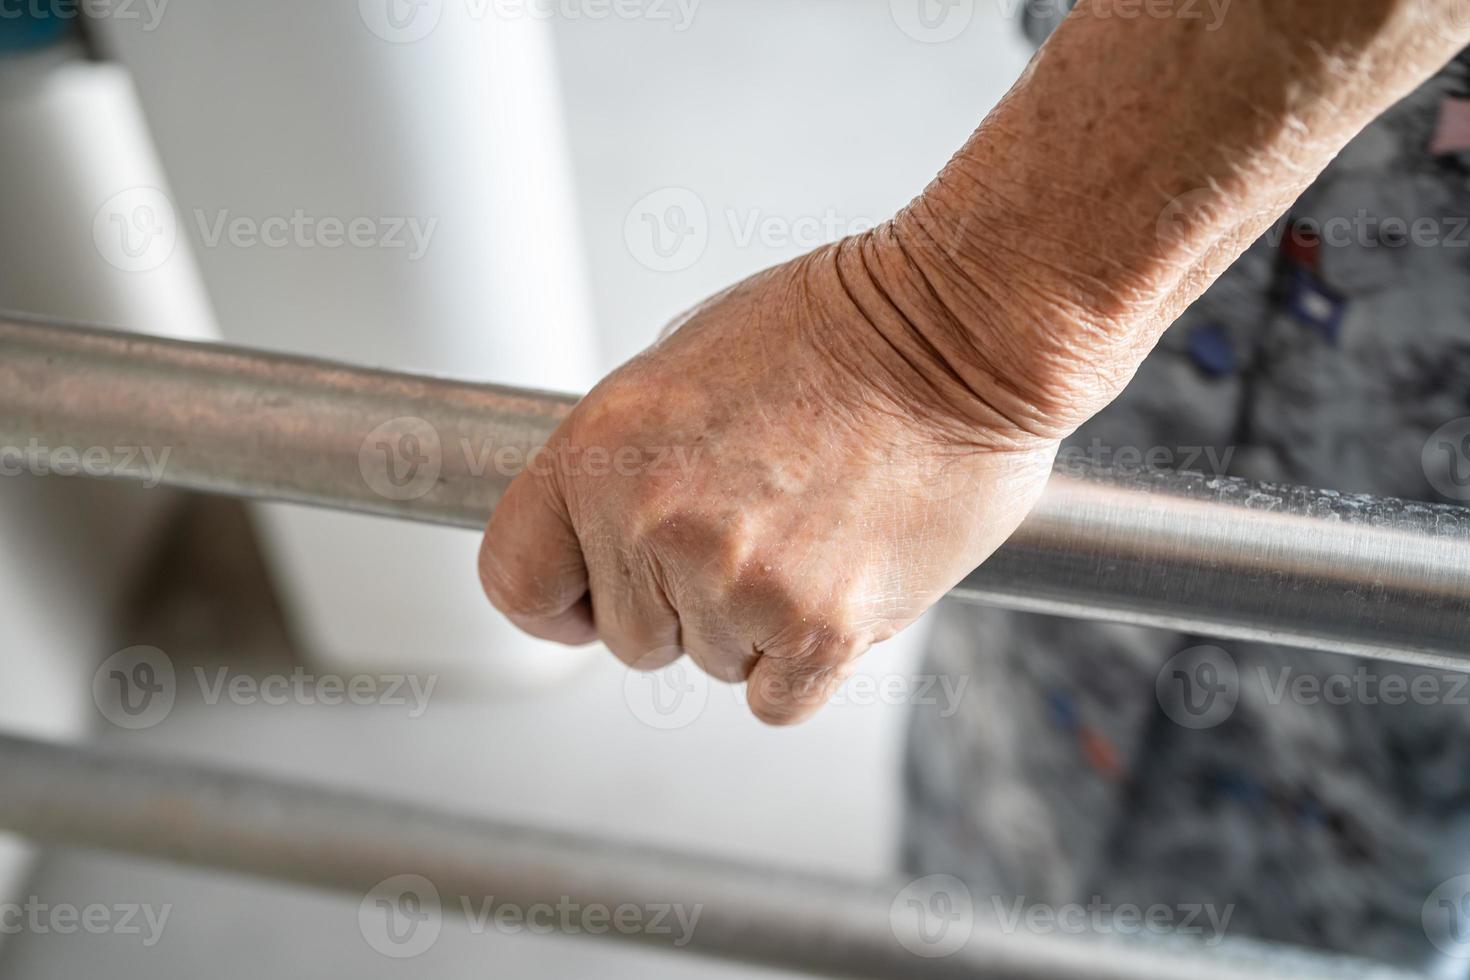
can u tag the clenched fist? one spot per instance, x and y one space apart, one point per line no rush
801 468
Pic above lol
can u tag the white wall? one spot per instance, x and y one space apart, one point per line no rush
775 109
326 111
73 146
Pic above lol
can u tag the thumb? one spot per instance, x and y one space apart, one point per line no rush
531 563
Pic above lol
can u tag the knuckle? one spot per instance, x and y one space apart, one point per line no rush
729 555
819 630
614 416
822 651
614 401
716 548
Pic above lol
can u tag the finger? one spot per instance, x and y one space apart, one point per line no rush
632 614
719 645
531 563
715 617
787 689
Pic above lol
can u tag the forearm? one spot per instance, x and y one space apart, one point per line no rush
1136 159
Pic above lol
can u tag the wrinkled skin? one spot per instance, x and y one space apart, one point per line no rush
838 476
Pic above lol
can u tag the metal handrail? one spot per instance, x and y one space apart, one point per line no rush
364 846
1366 576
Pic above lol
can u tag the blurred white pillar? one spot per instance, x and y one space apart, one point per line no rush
436 113
75 159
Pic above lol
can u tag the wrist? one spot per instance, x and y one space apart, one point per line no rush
1036 349
956 351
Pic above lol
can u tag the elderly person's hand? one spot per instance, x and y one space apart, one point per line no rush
829 446
818 471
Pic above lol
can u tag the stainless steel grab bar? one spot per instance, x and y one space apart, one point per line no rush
1223 557
88 797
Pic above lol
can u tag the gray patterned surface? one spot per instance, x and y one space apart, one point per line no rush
1327 824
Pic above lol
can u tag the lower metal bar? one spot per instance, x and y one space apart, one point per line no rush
292 832
1222 557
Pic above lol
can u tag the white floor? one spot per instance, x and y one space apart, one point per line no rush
780 119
